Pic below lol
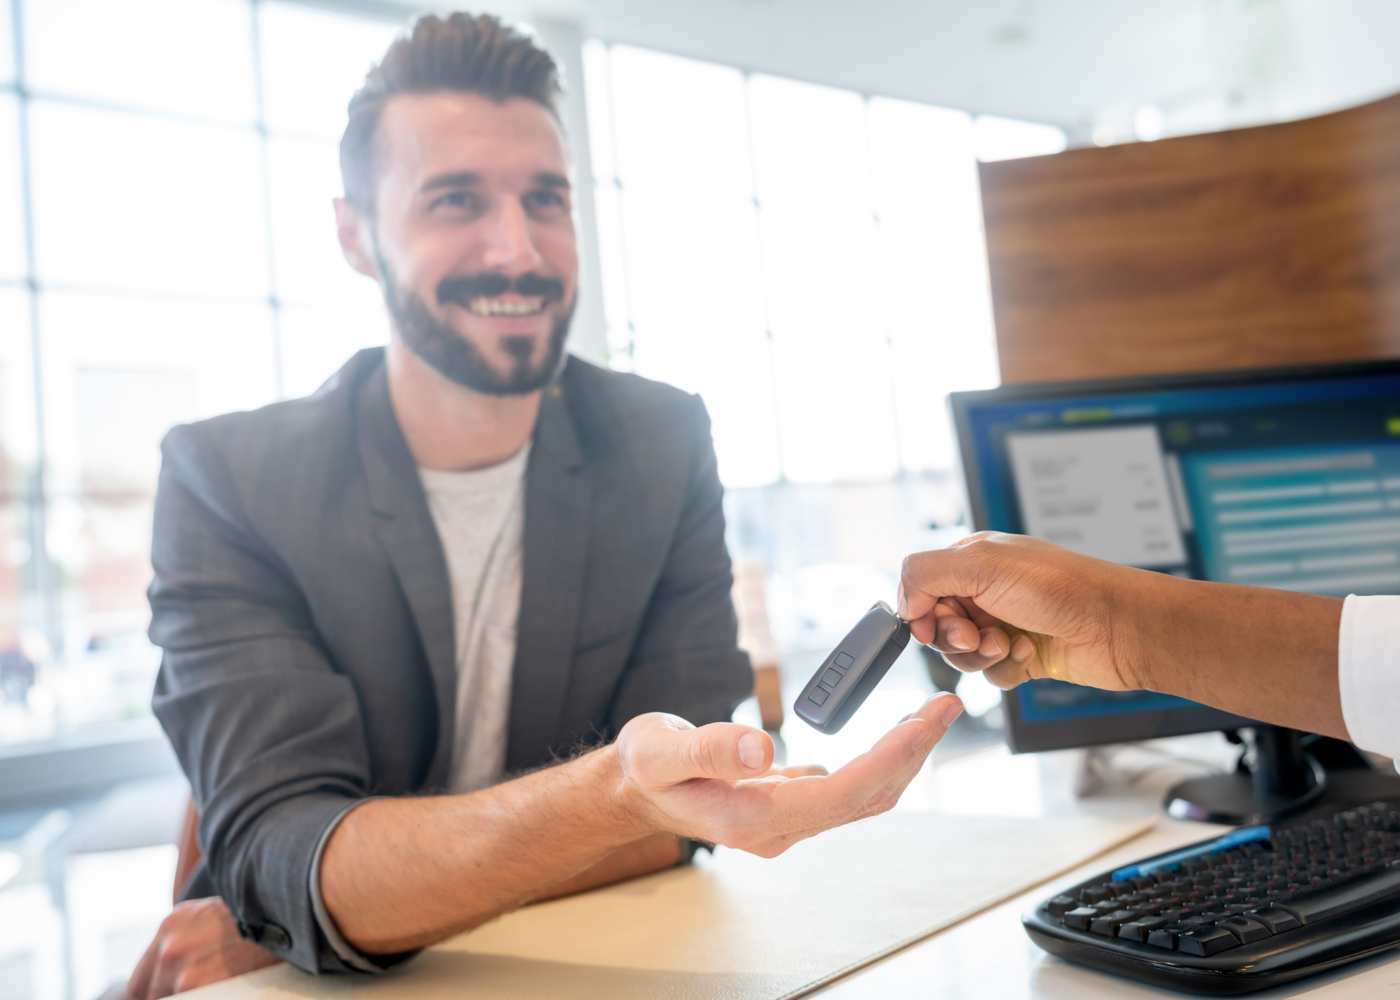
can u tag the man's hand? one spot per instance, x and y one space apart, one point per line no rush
1018 608
402 873
715 783
196 945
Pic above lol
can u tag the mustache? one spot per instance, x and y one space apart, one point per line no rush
462 288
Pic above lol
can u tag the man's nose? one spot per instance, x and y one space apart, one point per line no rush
508 245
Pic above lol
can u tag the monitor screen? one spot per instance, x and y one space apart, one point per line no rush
1280 478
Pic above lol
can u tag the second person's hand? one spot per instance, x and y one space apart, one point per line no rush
1017 608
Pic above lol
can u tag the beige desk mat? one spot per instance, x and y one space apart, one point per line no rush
734 927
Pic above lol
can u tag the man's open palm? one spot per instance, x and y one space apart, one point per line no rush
716 783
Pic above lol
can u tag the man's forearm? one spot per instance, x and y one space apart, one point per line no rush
1261 653
399 874
641 857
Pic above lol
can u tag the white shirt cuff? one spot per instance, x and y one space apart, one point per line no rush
1368 672
346 951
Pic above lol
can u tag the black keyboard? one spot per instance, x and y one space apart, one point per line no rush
1312 896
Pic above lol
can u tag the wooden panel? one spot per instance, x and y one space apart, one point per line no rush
1263 246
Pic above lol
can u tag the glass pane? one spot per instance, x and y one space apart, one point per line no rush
120 371
831 359
25 700
304 177
174 207
12 263
191 57
933 260
690 239
316 342
18 447
313 61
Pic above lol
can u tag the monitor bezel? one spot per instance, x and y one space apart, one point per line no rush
1023 736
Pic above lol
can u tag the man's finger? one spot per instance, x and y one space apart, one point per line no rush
799 771
852 786
664 755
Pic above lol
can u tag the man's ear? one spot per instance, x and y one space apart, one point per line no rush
352 229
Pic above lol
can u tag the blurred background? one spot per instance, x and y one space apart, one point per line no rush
778 209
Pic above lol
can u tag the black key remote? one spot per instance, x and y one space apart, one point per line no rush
847 676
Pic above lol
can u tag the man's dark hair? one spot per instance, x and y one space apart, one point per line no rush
469 54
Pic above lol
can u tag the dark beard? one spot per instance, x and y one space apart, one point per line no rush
458 359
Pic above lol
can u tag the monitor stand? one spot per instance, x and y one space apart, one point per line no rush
1286 779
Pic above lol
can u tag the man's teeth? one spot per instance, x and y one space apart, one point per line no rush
505 307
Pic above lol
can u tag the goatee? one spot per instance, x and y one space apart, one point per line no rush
457 358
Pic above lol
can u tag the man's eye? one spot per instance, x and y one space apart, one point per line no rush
543 200
456 200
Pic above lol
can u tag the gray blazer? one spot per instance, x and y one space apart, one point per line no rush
301 598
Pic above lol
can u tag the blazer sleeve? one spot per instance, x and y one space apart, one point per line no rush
686 659
269 734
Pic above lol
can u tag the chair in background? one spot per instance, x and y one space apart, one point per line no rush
756 639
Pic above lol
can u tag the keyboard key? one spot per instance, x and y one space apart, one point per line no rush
1108 924
1165 937
1079 919
1207 941
1095 894
1245 929
1276 919
1137 930
1060 905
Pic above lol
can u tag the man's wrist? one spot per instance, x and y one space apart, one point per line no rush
625 812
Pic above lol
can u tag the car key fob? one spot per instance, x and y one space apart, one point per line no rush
847 676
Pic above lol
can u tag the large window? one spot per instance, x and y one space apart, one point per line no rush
811 262
167 252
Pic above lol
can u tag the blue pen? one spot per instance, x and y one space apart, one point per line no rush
1249 835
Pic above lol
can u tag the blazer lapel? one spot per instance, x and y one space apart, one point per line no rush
405 528
558 500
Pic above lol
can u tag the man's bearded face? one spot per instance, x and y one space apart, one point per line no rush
473 237
456 357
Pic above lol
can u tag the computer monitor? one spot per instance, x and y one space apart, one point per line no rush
1285 478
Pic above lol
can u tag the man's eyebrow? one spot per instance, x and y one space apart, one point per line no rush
459 179
552 181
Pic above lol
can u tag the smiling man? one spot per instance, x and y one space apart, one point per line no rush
438 638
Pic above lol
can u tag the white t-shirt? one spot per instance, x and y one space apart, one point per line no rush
1368 670
480 518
